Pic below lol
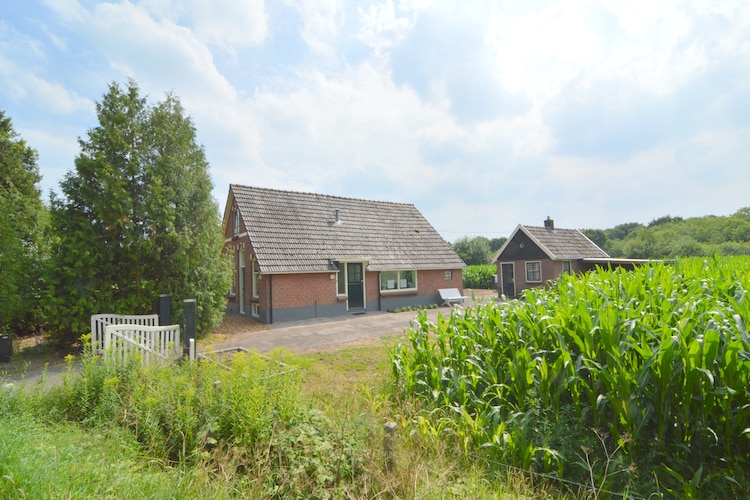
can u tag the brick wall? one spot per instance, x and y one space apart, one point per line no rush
431 281
298 290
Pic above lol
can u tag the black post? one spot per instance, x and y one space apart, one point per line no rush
189 313
6 348
165 315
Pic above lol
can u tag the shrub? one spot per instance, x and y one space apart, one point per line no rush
479 276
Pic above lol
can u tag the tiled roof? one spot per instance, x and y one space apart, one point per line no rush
564 244
297 232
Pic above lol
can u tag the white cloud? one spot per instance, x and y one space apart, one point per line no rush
228 24
380 27
322 20
68 10
20 82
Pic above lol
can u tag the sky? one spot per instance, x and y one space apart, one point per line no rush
483 114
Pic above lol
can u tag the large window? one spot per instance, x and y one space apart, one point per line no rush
398 280
533 272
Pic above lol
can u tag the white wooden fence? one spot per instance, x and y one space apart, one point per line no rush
153 343
100 321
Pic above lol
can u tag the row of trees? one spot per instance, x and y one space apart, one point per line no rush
135 220
670 237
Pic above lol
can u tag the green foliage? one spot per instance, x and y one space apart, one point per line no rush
137 219
61 460
473 251
672 237
496 244
657 360
479 276
23 219
248 420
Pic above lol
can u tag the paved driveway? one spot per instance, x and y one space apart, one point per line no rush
328 333
299 336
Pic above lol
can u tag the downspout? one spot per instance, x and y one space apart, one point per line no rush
380 294
270 299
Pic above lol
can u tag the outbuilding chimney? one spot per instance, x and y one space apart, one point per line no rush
337 219
549 223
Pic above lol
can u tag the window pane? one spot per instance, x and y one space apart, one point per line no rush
533 271
389 280
341 280
256 278
408 279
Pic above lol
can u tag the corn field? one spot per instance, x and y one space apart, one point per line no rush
635 381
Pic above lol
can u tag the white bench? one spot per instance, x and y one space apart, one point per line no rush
451 296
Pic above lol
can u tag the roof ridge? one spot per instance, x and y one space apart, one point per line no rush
321 195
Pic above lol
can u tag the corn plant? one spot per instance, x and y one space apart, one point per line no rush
657 358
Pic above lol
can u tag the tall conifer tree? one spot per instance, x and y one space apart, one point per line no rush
137 218
22 221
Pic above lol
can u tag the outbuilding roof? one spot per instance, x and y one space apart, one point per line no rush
565 244
292 232
559 244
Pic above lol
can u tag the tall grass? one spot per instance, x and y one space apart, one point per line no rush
311 429
247 427
656 360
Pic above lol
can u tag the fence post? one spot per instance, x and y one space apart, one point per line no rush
189 313
390 430
163 310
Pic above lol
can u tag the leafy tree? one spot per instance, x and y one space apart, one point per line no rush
137 219
496 244
621 231
664 220
598 236
23 219
473 251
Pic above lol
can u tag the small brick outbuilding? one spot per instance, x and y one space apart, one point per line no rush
304 255
532 256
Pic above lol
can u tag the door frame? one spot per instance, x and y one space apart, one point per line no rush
512 277
364 288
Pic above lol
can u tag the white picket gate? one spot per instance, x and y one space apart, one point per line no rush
153 343
100 321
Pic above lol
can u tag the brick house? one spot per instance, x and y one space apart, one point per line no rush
303 255
534 255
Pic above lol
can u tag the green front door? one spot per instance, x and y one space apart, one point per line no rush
355 283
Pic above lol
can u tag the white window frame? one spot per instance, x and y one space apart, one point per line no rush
255 278
233 286
236 222
447 275
341 279
398 282
537 262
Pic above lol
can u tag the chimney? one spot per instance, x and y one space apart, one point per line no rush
337 220
549 223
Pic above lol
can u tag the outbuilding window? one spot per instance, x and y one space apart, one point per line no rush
533 272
